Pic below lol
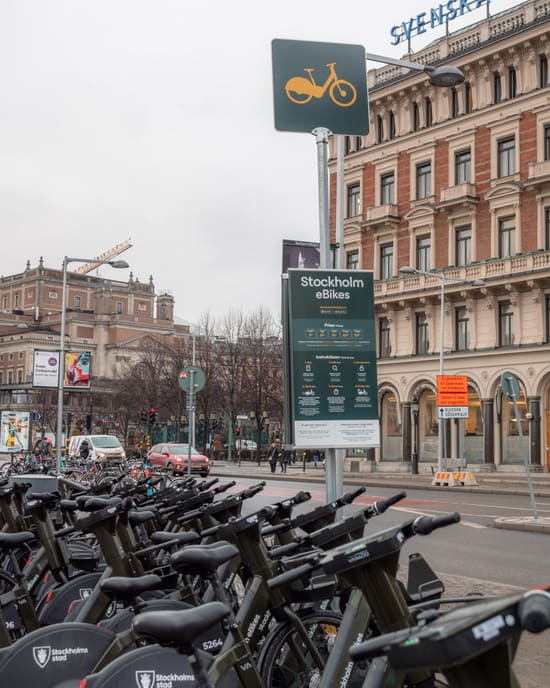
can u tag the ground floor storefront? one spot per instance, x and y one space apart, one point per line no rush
489 437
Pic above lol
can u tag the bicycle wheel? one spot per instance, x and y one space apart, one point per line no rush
285 661
343 93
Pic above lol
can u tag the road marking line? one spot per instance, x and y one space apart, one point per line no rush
469 524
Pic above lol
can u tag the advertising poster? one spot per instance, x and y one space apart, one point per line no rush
300 254
333 386
45 372
15 431
77 370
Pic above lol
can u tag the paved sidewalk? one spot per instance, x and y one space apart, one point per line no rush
493 483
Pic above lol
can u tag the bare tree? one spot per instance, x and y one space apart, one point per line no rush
241 357
263 370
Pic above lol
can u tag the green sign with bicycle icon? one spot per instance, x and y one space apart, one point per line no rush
320 85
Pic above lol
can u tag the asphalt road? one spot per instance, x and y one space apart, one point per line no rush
472 548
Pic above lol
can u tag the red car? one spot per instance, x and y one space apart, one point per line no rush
174 458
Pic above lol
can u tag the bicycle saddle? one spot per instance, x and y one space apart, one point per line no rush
127 588
68 505
13 540
138 517
98 503
180 628
183 538
202 560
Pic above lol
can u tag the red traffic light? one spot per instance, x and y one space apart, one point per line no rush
237 431
152 410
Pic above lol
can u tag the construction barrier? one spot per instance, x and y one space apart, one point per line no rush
453 478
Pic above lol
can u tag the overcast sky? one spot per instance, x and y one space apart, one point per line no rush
153 120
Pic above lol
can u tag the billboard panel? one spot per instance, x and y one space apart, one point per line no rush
300 254
77 370
333 386
15 431
45 370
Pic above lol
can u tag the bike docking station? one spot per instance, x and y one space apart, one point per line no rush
454 473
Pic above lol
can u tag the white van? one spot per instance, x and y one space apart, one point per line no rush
102 447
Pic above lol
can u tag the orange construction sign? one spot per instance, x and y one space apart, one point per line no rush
452 390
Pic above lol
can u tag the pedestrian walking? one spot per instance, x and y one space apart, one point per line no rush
272 456
315 457
283 460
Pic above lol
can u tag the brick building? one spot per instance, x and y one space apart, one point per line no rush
113 320
456 182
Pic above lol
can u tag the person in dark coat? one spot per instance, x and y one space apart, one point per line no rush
273 455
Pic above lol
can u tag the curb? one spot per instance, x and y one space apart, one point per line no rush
398 480
528 523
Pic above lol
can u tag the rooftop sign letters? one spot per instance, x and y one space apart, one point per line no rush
436 16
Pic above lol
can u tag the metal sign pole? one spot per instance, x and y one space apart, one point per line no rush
524 456
339 265
511 390
321 138
191 417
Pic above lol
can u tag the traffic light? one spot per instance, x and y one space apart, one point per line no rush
69 419
237 431
143 417
152 415
89 423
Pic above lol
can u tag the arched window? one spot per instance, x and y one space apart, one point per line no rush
510 437
391 431
428 426
471 435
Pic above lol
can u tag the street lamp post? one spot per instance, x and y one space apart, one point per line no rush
61 364
407 269
414 456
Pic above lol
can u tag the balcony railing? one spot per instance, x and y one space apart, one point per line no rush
528 264
454 194
539 170
382 213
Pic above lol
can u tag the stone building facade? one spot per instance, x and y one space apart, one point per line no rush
455 183
113 320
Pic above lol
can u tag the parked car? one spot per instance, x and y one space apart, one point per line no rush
174 458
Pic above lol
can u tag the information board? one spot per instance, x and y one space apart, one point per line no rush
333 382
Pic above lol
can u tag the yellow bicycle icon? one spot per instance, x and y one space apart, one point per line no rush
301 90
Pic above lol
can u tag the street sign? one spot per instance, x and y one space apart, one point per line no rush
320 85
452 390
199 378
510 386
453 412
36 416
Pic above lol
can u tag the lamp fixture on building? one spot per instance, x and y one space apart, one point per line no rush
445 76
